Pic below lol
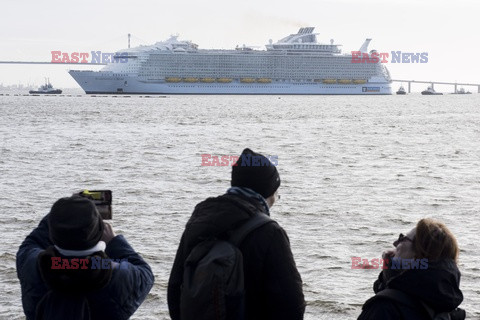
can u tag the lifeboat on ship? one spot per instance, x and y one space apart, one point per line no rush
190 80
264 80
247 80
224 80
359 81
344 81
173 79
208 80
329 81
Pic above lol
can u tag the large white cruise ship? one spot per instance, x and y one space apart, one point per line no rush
296 64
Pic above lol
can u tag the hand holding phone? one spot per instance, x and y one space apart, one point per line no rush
102 200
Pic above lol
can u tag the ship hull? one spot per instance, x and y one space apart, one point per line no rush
56 91
428 93
96 82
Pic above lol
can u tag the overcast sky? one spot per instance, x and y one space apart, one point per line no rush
447 30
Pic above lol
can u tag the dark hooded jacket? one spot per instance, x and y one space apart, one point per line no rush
437 286
272 283
125 289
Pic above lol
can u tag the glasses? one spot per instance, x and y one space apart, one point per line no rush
401 238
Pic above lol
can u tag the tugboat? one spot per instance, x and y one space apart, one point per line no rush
462 91
401 90
430 92
47 88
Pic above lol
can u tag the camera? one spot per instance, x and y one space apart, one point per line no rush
102 200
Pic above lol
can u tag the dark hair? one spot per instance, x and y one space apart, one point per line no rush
434 241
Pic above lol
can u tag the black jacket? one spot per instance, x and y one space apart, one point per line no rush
126 290
437 286
272 283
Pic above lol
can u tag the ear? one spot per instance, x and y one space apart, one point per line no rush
270 200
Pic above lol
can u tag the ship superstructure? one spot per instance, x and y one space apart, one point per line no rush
296 64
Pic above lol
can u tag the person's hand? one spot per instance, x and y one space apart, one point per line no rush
388 254
108 233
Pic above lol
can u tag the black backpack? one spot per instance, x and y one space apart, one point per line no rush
213 280
403 298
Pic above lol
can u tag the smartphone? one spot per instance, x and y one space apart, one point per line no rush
102 200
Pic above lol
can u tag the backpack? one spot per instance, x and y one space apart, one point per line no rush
403 298
213 279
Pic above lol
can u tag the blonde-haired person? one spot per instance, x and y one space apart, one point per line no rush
421 280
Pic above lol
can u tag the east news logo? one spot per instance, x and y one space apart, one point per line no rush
396 263
84 263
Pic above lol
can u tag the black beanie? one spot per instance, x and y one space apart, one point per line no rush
75 223
256 172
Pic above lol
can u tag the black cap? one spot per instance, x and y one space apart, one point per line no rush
75 223
256 172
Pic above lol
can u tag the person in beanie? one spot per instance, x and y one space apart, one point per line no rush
273 286
73 266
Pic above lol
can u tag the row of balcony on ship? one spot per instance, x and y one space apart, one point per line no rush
259 80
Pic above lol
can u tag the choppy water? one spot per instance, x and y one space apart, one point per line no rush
356 171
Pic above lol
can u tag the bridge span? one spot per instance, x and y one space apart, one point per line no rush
432 83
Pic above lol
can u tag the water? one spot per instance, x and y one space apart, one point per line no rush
356 171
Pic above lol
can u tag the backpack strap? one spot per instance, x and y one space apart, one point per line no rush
258 220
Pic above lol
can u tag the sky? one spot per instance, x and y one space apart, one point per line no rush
446 30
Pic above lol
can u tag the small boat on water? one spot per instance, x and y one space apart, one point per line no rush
461 91
430 91
401 90
47 88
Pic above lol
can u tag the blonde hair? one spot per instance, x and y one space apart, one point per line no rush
434 241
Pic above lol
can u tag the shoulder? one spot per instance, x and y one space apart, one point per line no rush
268 240
274 230
228 201
221 208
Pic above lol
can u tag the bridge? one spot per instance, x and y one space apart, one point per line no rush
432 83
48 62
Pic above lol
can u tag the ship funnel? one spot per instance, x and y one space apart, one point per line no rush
364 47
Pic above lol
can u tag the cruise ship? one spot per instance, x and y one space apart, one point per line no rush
295 65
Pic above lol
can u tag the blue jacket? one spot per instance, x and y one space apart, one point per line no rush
119 299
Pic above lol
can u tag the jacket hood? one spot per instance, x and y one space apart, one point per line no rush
437 286
76 280
214 217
